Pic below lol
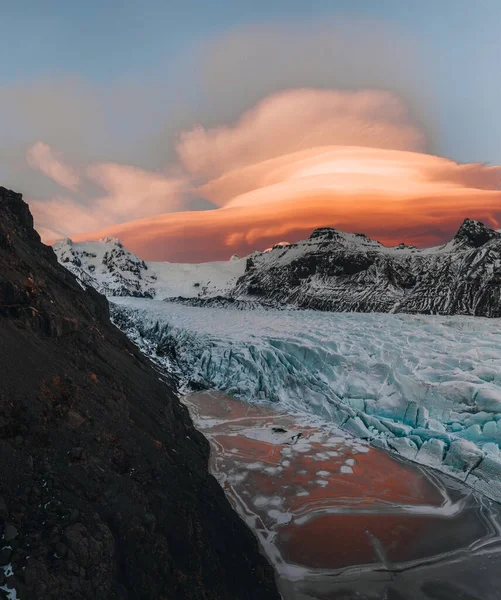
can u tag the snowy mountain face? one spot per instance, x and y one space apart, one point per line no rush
107 266
330 271
114 271
337 271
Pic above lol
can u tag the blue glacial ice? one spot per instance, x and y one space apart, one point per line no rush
426 387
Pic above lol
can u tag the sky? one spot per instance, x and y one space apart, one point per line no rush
197 130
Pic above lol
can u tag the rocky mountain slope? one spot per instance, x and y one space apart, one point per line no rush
104 490
338 271
330 271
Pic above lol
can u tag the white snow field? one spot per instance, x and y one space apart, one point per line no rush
114 271
426 387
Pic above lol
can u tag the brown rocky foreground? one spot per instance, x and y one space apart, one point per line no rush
104 488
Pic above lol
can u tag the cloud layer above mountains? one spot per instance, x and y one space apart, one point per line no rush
298 160
272 161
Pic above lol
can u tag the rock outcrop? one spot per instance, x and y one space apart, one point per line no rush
104 489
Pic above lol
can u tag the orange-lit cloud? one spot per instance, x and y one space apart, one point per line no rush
297 120
299 160
132 193
390 195
41 157
129 193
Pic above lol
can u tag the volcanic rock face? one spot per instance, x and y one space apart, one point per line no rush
104 490
338 271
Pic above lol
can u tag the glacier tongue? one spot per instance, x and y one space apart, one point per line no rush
427 387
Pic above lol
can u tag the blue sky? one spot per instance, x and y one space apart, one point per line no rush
456 42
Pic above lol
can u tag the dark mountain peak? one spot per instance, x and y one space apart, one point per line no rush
328 233
474 233
15 209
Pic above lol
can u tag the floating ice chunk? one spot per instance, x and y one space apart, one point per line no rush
350 462
235 478
273 470
267 501
302 447
280 517
323 473
255 466
361 448
261 501
322 482
302 492
345 469
321 456
335 440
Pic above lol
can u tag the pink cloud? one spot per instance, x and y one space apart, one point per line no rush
299 160
300 119
390 195
135 193
41 157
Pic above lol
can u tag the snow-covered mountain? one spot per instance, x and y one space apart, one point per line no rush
114 271
337 271
331 271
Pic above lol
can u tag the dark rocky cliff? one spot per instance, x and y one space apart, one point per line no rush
104 490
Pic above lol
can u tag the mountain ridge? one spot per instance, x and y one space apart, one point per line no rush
330 270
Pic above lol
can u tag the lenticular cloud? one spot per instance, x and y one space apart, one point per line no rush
300 159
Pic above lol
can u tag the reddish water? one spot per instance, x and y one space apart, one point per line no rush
324 504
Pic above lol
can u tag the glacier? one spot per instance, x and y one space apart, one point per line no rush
425 387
